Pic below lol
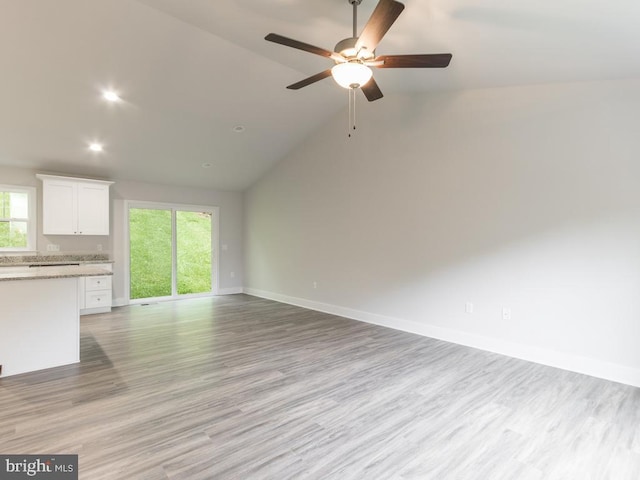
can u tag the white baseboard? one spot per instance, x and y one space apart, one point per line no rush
230 291
552 358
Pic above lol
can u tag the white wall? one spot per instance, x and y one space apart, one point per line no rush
230 228
525 198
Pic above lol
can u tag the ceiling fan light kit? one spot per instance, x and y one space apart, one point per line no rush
351 74
354 56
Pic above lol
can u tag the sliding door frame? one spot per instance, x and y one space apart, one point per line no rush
215 244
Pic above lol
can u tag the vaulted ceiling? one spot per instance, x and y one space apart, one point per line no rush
189 71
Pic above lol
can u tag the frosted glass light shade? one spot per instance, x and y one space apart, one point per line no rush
351 74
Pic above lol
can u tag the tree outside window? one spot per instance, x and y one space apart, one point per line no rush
17 218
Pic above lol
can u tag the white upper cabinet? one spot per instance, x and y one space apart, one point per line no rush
74 206
93 209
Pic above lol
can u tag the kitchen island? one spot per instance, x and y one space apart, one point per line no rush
40 316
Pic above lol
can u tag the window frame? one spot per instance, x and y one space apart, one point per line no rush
32 221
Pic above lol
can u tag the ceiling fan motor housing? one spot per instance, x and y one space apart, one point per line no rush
347 48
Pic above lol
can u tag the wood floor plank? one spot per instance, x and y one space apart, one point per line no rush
239 387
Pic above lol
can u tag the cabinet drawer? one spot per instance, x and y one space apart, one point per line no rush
98 283
100 298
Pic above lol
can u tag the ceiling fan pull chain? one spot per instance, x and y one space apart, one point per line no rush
349 121
352 111
354 96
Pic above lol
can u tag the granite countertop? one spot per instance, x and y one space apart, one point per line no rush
41 273
56 259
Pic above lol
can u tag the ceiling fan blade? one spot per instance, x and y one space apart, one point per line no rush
308 81
385 13
290 42
435 60
371 90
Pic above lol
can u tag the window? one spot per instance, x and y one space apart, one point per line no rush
17 218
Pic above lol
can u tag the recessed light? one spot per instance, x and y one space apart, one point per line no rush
239 128
95 147
206 165
110 96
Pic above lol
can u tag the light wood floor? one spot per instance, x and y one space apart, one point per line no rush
243 388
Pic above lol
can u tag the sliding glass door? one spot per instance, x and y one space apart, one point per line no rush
171 251
193 252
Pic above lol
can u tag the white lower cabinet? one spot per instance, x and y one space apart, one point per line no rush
95 293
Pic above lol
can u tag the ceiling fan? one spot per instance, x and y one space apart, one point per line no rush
355 55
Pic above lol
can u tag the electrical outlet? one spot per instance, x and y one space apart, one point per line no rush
232 274
468 307
53 248
99 247
506 313
315 284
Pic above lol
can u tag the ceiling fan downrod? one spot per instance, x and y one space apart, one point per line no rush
355 4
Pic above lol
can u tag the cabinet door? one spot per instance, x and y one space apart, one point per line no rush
93 209
59 208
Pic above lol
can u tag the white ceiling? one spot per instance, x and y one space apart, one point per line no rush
190 70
